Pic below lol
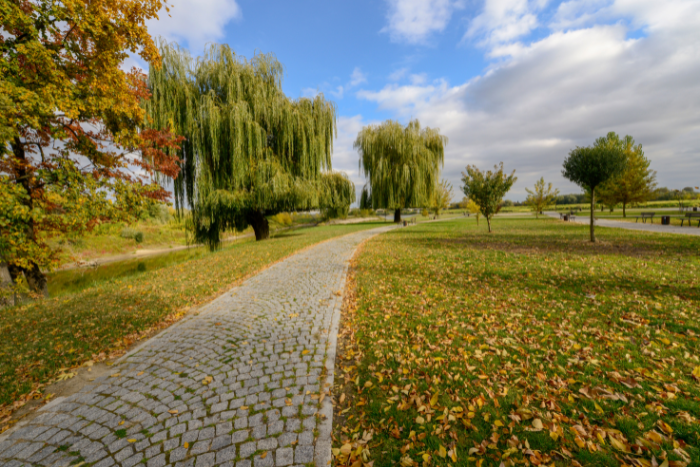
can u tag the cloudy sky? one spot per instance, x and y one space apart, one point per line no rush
517 81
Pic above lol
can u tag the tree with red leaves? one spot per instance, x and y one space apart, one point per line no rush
73 152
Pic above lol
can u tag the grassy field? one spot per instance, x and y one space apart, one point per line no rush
529 346
41 340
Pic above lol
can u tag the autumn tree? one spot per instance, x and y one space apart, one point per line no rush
402 164
70 125
487 188
541 197
592 166
250 151
441 197
337 194
636 184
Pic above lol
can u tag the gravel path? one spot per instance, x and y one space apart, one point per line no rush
648 227
242 383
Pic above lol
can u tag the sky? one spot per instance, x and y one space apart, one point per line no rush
513 81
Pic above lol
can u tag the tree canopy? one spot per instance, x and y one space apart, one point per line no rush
337 194
636 184
541 197
591 166
402 164
250 150
441 198
71 124
487 188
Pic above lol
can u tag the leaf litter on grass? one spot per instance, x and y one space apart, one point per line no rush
465 353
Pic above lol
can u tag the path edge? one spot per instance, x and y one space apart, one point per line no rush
324 442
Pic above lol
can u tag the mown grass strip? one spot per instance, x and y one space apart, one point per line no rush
529 346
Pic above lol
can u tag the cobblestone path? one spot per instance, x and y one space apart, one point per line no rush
242 383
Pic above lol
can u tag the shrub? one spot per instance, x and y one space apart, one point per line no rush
138 237
127 232
282 218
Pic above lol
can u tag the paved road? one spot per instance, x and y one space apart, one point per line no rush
243 383
648 227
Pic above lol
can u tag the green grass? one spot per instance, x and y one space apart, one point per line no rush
110 312
528 344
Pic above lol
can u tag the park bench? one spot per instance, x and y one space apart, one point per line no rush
572 216
690 217
644 216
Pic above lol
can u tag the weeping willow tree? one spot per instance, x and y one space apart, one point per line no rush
250 151
336 196
401 163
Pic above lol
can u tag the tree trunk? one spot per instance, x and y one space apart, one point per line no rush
488 221
593 215
260 226
624 213
7 294
35 278
397 215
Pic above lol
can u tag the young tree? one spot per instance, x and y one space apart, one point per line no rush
541 197
402 164
70 126
441 198
473 208
636 184
250 151
487 189
590 167
337 194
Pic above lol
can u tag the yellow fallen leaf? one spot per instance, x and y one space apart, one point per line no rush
305 351
187 445
140 373
442 452
116 375
420 420
172 411
244 407
207 380
696 372
617 444
263 455
537 425
132 440
434 400
121 423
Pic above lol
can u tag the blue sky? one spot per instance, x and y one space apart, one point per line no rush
516 81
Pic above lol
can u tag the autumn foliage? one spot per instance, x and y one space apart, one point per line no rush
72 153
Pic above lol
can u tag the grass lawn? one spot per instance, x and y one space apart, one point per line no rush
529 346
105 315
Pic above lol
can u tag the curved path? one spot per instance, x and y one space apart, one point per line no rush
242 383
647 227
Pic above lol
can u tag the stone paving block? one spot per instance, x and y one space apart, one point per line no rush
252 350
284 457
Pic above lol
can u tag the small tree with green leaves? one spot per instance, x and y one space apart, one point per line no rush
636 184
487 188
589 167
541 197
442 195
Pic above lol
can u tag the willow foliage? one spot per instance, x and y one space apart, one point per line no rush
401 163
250 150
337 194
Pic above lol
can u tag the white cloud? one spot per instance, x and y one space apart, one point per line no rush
193 23
413 21
357 77
503 21
567 89
398 74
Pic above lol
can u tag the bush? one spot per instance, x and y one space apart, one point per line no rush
282 218
127 232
